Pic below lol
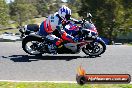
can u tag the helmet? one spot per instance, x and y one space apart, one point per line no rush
64 12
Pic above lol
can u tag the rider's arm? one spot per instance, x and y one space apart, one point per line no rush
64 35
76 21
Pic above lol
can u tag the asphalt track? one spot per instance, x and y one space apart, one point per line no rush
15 64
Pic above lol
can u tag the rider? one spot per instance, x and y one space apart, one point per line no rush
56 22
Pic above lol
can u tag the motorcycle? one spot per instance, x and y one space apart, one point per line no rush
28 29
89 41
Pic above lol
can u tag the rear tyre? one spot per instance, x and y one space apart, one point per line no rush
30 44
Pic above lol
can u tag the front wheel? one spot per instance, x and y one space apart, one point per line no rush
96 49
30 45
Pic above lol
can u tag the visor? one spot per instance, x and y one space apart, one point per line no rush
68 17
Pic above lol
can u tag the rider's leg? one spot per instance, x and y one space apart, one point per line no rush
55 40
55 43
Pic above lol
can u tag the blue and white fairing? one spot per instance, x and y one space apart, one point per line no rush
72 29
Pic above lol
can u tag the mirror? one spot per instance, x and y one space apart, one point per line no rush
89 15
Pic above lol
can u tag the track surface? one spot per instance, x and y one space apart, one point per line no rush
15 64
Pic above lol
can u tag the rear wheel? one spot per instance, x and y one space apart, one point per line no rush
30 45
96 49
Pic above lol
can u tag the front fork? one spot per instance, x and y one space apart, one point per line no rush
95 44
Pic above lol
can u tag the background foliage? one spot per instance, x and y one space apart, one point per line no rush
4 16
111 17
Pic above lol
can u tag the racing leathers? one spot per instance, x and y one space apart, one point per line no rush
52 23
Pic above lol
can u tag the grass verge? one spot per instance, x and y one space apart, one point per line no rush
59 85
9 30
130 44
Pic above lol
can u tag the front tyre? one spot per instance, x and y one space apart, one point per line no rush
30 45
97 48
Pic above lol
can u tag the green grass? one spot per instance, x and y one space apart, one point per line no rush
60 85
130 44
9 30
35 21
38 20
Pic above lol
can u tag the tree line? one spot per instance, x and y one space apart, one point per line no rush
111 17
24 10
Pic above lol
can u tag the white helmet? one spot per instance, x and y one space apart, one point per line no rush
64 12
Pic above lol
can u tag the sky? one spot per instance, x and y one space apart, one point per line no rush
8 1
64 0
